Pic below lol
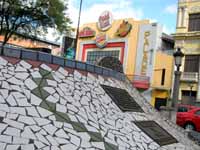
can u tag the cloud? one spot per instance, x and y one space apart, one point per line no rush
171 9
119 9
168 30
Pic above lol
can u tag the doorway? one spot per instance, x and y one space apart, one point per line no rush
160 102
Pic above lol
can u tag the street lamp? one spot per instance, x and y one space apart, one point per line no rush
77 30
178 55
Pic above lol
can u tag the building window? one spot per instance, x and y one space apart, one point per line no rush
94 56
189 93
191 63
194 22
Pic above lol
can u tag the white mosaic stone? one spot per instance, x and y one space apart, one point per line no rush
20 69
50 129
27 133
42 139
30 84
68 146
59 75
99 145
22 102
52 117
26 120
69 98
55 148
28 147
25 64
12 147
63 71
16 88
31 111
62 134
60 92
5 85
90 128
4 93
47 148
2 146
61 108
63 101
35 100
72 108
52 83
43 112
43 132
56 78
38 144
36 74
14 123
27 93
52 99
51 140
2 79
45 67
50 90
3 62
7 75
61 140
18 140
3 127
13 80
18 110
12 131
84 136
67 125
12 116
85 144
42 121
2 99
11 101
5 138
35 128
22 76
75 140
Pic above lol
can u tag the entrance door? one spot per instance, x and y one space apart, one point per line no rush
160 102
189 97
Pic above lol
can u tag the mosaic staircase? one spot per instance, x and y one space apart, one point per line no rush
49 107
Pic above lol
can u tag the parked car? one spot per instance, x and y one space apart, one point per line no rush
188 117
185 108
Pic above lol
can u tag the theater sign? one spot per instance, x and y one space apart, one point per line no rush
105 21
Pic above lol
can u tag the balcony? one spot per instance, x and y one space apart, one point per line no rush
139 81
184 1
190 76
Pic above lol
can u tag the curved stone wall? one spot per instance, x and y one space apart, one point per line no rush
47 107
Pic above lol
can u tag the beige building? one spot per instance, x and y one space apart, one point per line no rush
187 37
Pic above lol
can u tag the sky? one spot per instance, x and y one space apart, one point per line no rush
161 11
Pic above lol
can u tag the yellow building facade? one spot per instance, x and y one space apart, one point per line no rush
187 37
136 44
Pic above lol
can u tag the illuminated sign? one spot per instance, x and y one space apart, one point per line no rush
101 40
86 32
105 21
124 29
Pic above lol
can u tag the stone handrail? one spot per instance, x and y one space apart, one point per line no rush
25 54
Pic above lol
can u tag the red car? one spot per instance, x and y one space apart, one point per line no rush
188 117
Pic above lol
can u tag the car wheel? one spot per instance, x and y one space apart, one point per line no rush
189 127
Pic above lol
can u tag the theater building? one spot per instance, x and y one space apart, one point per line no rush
136 44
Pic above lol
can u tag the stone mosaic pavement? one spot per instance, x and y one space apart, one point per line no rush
48 109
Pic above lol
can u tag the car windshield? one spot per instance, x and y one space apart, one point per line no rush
182 109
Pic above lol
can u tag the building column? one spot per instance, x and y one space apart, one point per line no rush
198 87
178 24
185 16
